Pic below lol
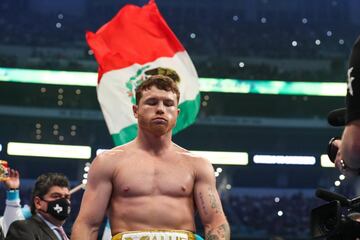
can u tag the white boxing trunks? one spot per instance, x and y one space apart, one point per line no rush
155 235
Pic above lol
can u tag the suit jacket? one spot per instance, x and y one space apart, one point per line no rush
33 228
1 234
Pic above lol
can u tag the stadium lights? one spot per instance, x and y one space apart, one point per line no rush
282 159
224 158
86 173
221 158
48 150
325 161
206 84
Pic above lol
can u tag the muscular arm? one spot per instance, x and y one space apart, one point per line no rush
208 203
95 200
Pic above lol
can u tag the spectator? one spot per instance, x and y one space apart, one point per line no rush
50 206
13 210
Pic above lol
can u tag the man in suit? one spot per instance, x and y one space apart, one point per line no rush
1 234
50 207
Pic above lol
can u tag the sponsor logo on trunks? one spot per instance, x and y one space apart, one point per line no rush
157 238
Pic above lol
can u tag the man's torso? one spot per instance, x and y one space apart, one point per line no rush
152 192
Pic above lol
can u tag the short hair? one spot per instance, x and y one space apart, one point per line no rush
43 184
159 81
168 72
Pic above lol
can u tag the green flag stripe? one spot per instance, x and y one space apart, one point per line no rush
125 135
188 113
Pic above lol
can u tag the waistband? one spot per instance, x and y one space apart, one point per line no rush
155 235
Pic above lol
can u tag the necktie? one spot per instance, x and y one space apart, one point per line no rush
62 233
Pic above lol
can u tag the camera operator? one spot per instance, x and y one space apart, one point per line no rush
347 157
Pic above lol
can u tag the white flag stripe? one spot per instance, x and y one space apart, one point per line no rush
113 95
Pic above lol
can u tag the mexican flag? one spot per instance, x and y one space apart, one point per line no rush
136 41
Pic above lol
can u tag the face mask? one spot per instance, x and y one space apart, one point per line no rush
59 208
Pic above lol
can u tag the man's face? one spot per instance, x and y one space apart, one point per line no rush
157 110
54 193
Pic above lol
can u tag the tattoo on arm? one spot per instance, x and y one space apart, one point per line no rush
213 202
222 232
202 202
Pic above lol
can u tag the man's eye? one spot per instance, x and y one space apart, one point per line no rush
151 102
169 103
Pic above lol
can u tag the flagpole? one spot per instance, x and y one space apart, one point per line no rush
77 188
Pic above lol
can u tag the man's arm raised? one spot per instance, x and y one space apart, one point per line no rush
95 200
208 203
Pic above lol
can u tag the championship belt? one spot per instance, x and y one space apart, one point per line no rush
155 235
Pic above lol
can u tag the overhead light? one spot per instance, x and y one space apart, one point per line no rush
224 85
224 158
284 159
325 161
48 150
216 157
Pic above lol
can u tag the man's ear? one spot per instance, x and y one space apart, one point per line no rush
37 202
178 111
135 110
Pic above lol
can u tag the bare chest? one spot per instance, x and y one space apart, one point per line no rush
154 177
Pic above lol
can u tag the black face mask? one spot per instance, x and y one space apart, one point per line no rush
59 208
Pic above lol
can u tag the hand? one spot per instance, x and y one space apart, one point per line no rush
338 158
340 164
13 181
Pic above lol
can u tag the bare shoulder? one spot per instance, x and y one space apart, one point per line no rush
108 158
108 155
112 153
198 162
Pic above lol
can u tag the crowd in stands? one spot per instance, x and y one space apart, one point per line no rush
216 45
259 216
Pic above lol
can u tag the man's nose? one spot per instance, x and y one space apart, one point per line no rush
160 108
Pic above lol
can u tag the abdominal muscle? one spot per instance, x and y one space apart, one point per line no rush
151 213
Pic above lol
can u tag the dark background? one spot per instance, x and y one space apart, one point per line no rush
218 35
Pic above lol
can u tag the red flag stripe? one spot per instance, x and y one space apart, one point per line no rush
135 35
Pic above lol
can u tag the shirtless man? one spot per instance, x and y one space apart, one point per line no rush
150 188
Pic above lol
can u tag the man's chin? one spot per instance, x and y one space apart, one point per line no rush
160 129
